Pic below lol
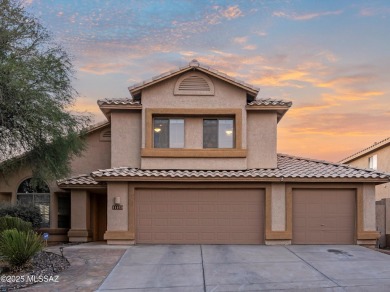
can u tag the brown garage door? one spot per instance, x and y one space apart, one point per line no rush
191 216
324 216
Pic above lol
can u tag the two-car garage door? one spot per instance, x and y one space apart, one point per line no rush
192 216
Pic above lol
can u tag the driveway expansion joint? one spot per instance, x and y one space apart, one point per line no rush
307 263
204 277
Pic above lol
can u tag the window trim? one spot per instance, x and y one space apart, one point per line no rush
149 151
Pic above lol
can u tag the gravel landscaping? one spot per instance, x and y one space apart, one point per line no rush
43 267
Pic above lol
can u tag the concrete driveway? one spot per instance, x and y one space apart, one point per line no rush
190 268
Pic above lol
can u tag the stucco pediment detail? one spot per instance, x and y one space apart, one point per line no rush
194 83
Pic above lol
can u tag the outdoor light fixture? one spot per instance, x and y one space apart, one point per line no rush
157 130
117 204
229 132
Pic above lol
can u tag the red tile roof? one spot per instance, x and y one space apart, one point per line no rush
119 101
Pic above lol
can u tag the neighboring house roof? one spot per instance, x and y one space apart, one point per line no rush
193 65
290 168
375 146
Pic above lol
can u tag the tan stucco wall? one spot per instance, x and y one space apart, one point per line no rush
382 190
261 137
193 133
117 220
96 156
194 163
278 207
369 219
126 139
226 96
80 206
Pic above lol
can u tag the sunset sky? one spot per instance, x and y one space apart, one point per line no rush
331 58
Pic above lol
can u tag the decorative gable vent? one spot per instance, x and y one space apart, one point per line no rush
194 83
105 135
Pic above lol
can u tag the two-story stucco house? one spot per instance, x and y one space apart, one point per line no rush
191 158
376 157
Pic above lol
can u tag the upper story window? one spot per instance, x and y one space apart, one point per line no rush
168 133
218 133
373 162
36 195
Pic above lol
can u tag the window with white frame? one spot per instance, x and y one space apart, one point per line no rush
373 162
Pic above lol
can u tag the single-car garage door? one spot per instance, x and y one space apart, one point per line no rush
192 216
324 216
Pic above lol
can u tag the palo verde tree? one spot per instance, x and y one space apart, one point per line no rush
36 128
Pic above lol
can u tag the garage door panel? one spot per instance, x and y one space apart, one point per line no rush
325 216
221 216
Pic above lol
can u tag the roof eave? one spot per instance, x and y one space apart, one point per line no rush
280 110
107 109
243 179
136 90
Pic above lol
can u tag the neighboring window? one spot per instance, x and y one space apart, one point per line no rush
168 133
373 162
37 195
63 210
218 133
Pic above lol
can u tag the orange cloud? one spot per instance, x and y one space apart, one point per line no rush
307 16
232 12
102 68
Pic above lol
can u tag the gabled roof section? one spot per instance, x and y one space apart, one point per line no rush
278 105
372 148
290 168
194 65
107 105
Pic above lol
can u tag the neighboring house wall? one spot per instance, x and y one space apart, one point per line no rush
383 160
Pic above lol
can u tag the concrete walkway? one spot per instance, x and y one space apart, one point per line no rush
190 268
90 263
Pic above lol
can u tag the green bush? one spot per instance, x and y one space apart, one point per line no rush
8 222
28 213
17 247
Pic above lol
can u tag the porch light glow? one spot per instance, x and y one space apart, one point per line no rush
229 132
157 130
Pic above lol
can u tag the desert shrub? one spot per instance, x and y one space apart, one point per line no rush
17 247
8 222
28 213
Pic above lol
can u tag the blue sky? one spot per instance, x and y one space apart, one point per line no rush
331 58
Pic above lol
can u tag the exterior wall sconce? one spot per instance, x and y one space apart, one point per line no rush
117 204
